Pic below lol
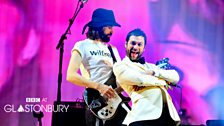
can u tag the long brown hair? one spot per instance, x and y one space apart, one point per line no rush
94 32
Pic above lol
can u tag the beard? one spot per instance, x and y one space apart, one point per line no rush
131 56
105 37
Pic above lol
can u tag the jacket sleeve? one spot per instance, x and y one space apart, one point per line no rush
126 74
169 75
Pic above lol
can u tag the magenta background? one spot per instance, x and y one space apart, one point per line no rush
190 33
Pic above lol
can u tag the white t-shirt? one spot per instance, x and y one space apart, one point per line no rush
96 60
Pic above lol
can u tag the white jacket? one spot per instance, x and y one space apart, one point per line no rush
147 103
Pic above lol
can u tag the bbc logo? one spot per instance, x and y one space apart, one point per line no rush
32 99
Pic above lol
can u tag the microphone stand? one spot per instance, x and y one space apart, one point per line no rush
60 46
38 115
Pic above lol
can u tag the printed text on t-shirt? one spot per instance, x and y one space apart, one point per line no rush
100 52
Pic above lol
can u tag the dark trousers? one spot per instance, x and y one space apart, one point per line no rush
164 120
115 121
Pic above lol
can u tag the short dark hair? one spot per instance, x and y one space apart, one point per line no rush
136 32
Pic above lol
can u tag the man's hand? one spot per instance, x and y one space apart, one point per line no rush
106 91
150 72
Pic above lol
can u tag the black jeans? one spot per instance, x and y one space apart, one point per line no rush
115 121
163 120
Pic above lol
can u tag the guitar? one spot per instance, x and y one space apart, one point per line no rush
105 108
164 64
101 106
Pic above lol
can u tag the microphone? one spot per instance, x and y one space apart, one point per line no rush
83 1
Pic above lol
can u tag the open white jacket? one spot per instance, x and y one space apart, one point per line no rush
147 103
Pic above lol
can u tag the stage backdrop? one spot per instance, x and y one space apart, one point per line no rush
189 32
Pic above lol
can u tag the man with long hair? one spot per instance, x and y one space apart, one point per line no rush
95 61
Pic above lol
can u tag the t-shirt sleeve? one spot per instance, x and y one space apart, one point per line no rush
79 47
